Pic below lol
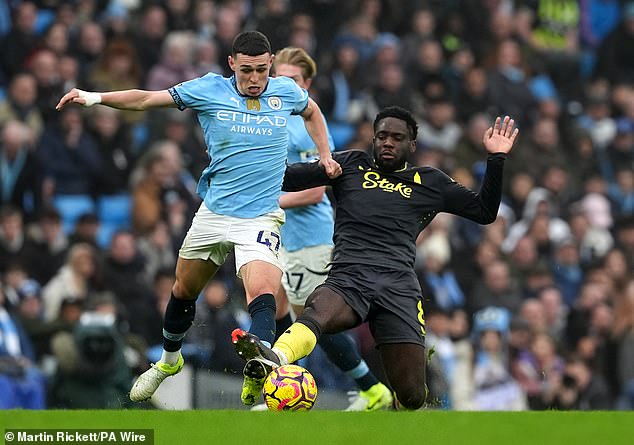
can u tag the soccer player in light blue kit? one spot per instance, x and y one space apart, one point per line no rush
244 119
307 245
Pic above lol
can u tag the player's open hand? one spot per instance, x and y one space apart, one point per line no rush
501 137
77 96
332 167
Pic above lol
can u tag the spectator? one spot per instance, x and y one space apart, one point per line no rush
123 276
549 228
581 388
56 39
21 39
614 57
21 185
623 337
15 246
117 68
597 119
113 141
148 38
468 151
44 65
178 129
532 312
89 46
51 245
391 89
215 319
30 313
539 371
176 62
20 104
21 383
555 311
496 288
85 230
616 267
566 269
273 19
594 242
555 39
540 150
439 131
511 95
160 194
72 281
494 388
157 249
438 281
70 156
621 192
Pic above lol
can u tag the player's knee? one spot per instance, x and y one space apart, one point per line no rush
411 398
183 292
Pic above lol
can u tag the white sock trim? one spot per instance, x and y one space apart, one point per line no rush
281 356
171 358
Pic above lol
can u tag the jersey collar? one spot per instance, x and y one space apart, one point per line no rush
405 167
235 86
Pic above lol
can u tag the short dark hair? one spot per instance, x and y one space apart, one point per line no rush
398 113
250 43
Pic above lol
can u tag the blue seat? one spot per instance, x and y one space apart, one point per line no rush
113 212
71 207
114 209
341 134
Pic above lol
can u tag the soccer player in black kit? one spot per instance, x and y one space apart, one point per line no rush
383 203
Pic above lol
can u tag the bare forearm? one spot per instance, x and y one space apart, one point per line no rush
137 100
303 198
316 127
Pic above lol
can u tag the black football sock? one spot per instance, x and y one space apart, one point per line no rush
262 311
179 316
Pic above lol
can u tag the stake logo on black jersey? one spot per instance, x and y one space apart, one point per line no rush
374 180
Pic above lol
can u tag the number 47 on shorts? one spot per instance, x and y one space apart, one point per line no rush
270 240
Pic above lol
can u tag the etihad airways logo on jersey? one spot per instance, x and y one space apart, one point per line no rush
374 180
253 124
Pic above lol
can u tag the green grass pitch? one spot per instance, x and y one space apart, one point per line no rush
331 427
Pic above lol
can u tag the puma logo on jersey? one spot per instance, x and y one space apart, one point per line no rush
235 100
374 180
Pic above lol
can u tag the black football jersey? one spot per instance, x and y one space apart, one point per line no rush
379 215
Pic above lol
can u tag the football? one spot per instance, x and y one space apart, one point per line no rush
290 388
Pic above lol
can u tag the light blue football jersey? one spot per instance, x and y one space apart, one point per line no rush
246 139
310 225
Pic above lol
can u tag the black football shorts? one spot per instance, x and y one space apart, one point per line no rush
389 300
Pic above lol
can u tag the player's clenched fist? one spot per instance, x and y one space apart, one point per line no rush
332 167
81 97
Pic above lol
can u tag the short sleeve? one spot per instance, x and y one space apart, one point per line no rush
195 93
300 98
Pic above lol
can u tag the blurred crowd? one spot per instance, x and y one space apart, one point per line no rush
535 311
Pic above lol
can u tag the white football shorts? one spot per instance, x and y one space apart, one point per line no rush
304 270
212 236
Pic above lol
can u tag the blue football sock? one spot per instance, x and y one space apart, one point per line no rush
343 352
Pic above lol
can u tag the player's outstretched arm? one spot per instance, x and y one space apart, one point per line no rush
501 136
137 100
482 207
316 127
304 175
